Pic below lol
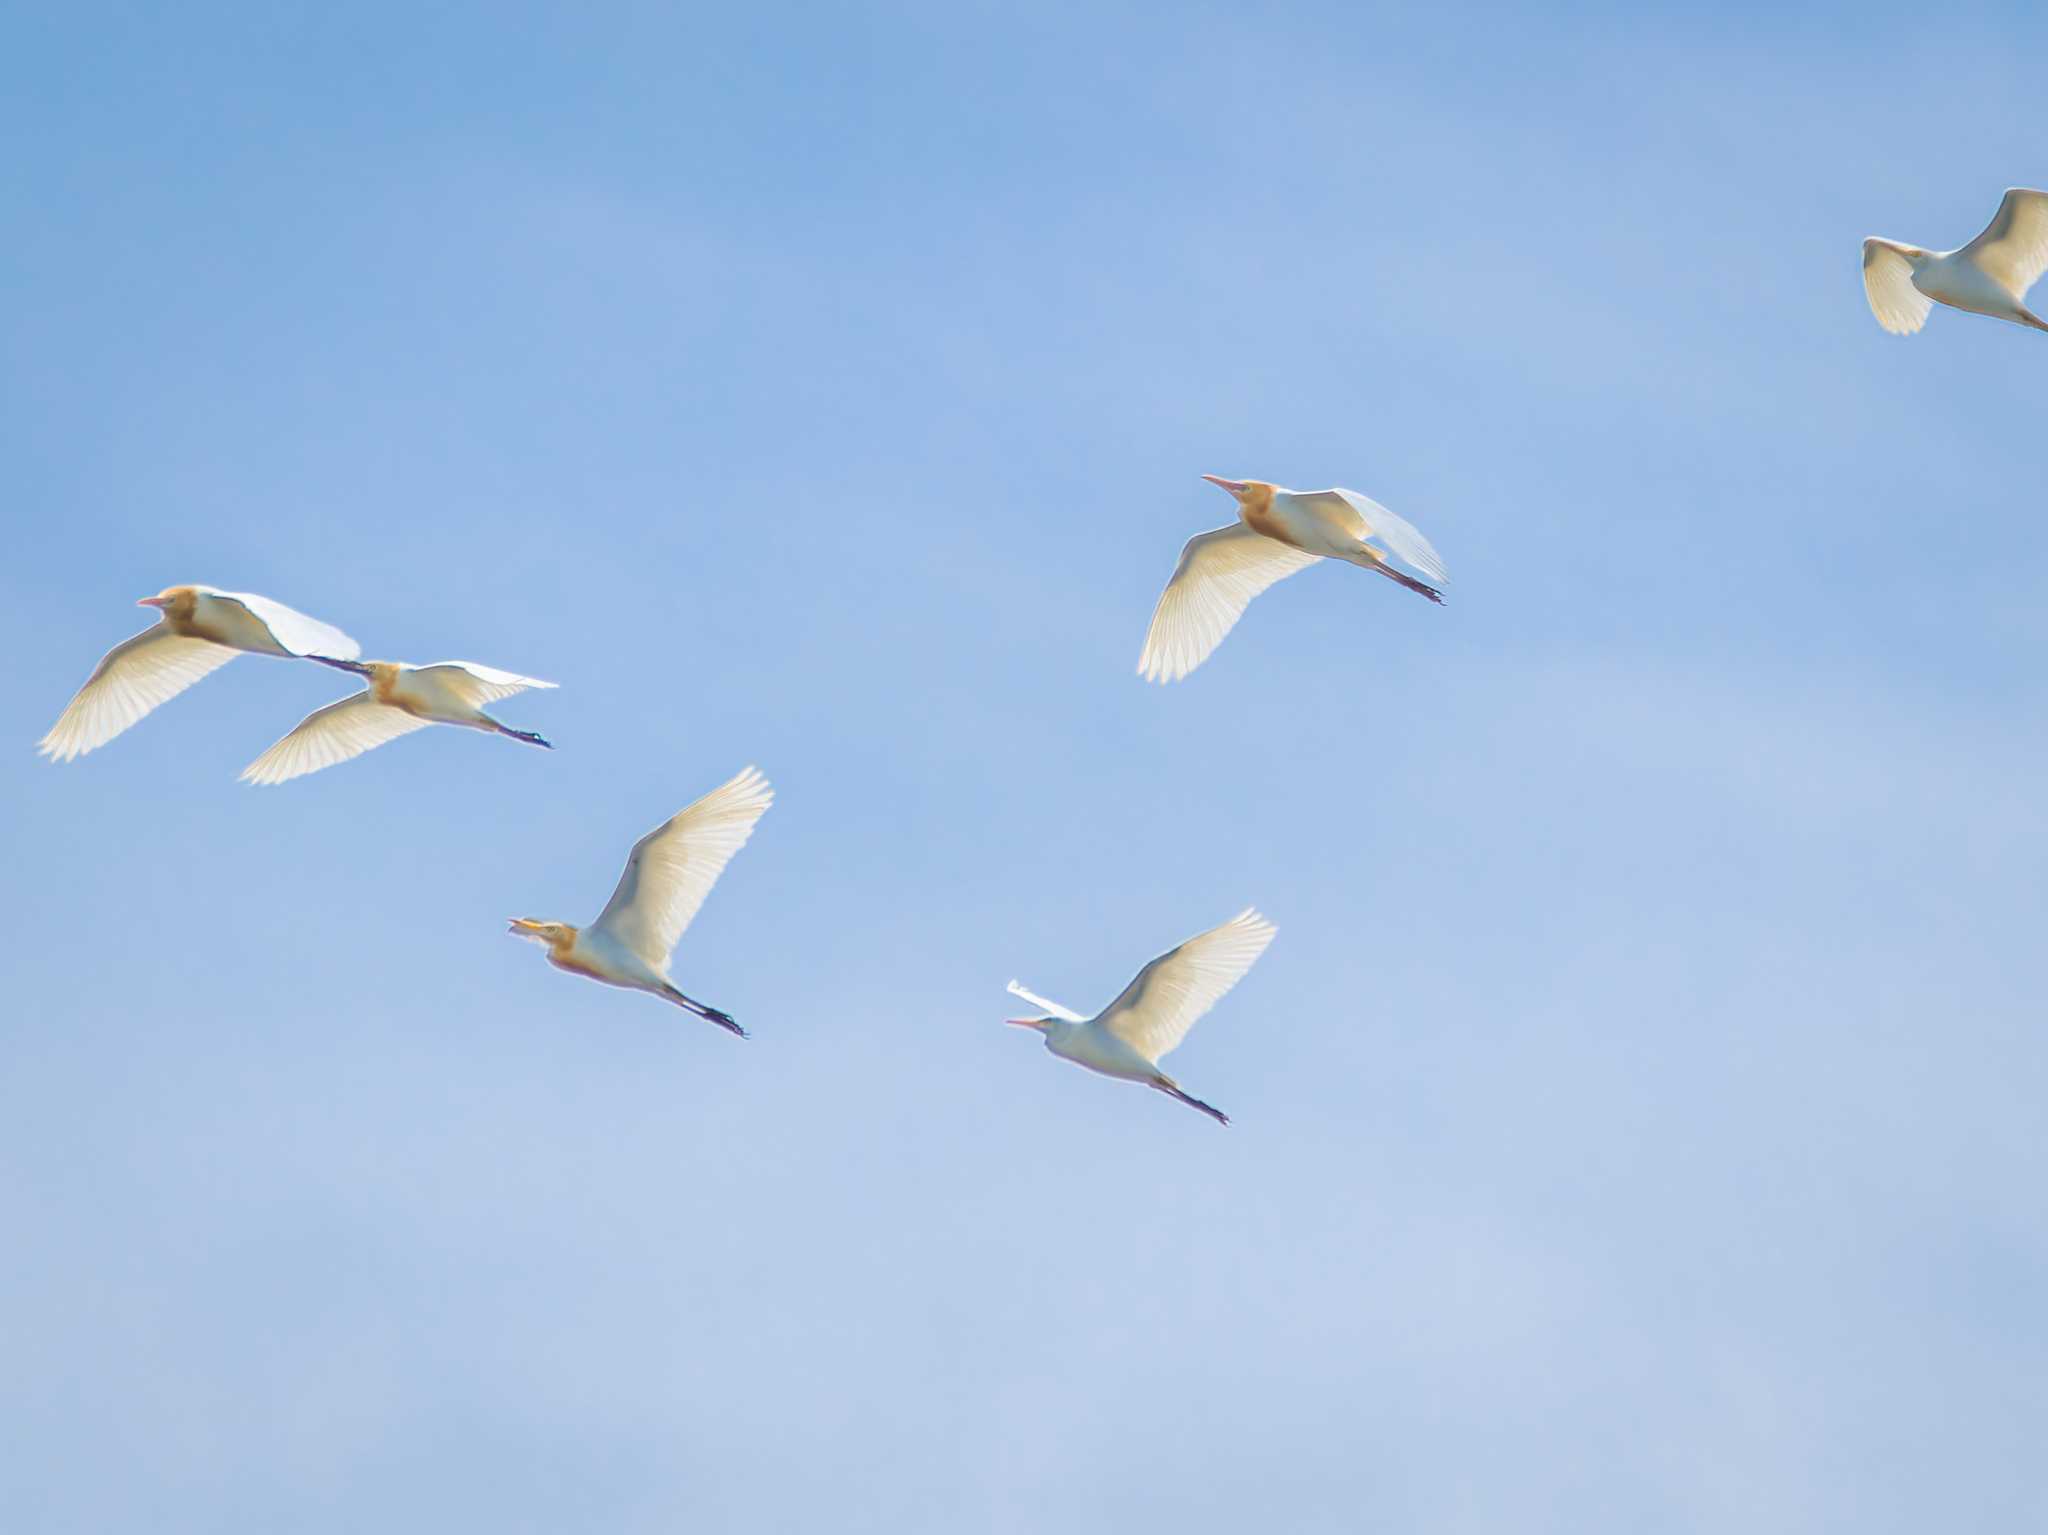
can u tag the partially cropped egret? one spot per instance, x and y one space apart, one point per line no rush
669 873
1279 531
201 628
1990 275
399 700
1127 1039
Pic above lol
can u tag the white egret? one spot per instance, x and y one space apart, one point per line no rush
201 628
1990 275
1279 531
399 700
669 873
1127 1039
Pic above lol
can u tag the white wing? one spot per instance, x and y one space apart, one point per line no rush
674 866
334 734
131 679
1900 307
1157 1009
1017 989
2014 247
1218 575
476 684
290 628
1403 539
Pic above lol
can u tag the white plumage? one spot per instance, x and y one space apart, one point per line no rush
1279 531
668 874
1153 1014
399 700
1990 275
201 629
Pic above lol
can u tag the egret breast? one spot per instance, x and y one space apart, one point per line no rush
1265 518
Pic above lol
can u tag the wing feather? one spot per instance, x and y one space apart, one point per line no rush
672 868
1900 307
292 629
2014 247
476 684
1402 538
1018 989
341 730
1219 573
1158 1008
133 678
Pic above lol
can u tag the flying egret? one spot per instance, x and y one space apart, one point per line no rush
669 873
201 628
1990 275
1127 1039
399 700
1279 531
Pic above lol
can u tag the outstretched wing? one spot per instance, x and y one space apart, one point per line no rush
476 684
1402 538
1218 575
292 629
674 866
1157 1009
131 679
1900 307
334 734
2014 247
1017 989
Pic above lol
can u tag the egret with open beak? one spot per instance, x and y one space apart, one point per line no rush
1990 275
200 629
399 700
1278 532
1127 1039
669 873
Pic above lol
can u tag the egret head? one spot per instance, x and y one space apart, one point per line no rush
549 933
175 602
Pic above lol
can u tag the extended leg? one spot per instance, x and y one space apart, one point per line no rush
709 1014
1172 1090
1410 582
530 737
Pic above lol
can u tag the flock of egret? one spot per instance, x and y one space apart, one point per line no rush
672 869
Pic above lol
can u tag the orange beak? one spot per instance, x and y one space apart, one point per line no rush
1235 487
1026 1023
149 602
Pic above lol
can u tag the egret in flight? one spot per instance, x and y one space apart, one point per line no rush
200 628
1278 532
1127 1039
1990 275
399 700
670 872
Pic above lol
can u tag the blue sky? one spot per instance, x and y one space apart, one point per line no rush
1638 1112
